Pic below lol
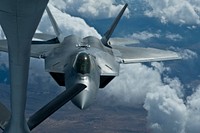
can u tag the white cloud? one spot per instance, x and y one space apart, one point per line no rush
174 37
162 98
166 110
133 83
175 11
144 35
160 67
90 8
67 23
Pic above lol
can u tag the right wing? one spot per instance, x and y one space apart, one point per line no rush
39 49
138 54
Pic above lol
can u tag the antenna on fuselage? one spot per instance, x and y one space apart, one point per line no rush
108 34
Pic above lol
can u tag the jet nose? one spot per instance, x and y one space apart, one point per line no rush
83 100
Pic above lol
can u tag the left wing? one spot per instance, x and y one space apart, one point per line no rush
138 54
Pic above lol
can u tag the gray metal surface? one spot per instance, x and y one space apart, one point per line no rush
138 54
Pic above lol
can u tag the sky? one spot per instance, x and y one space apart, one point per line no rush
158 87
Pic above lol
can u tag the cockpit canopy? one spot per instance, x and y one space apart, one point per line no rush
82 63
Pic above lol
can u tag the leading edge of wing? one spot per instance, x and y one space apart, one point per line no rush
138 54
122 41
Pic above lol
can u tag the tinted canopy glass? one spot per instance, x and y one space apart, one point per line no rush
82 63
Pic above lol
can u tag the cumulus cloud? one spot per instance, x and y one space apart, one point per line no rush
165 110
133 83
163 97
67 23
160 67
90 8
146 35
175 11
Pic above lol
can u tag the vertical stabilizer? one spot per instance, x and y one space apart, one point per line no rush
108 34
55 25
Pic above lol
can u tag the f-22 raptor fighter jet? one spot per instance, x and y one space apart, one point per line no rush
91 61
84 65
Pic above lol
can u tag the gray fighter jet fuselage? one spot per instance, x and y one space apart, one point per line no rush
82 61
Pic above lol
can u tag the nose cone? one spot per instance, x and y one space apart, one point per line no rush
84 99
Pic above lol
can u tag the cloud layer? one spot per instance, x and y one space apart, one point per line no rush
163 97
185 54
175 11
67 23
145 35
90 8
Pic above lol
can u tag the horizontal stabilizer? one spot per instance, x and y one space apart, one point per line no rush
138 54
122 41
4 116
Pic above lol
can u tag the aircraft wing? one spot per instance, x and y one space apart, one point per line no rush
138 54
38 50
